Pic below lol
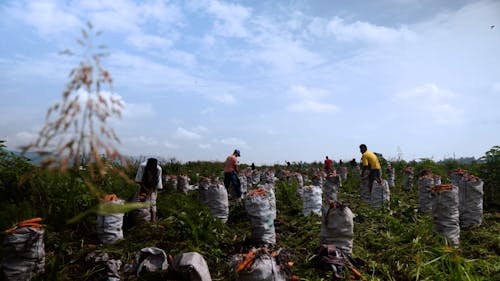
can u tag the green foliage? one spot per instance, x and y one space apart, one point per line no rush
490 173
394 244
426 163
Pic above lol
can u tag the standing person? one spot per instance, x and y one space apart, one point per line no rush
369 161
253 166
231 173
150 181
328 165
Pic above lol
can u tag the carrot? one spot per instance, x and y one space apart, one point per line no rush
11 230
441 187
332 203
259 191
33 220
34 223
247 262
109 197
356 273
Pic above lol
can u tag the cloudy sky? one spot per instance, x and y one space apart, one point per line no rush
279 80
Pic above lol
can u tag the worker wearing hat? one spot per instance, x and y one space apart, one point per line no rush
231 174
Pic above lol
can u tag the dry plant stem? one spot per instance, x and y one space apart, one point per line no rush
71 135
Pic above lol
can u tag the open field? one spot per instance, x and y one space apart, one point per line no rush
394 244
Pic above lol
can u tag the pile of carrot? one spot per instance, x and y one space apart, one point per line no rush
33 223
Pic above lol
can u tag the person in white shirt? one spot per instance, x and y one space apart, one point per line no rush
149 179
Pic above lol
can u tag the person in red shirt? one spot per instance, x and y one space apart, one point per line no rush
328 165
231 173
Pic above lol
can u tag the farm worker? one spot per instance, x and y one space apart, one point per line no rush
328 165
231 173
369 161
150 181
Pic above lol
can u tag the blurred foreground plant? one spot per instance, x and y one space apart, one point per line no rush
76 127
76 134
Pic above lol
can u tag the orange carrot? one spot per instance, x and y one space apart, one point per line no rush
109 197
247 262
34 223
33 220
259 191
356 273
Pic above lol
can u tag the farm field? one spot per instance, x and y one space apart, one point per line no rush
279 80
396 243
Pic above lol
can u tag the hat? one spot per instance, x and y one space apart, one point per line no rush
237 152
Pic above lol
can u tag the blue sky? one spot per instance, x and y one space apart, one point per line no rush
279 80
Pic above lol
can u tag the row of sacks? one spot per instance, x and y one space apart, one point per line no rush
181 182
320 191
185 266
453 206
470 195
250 178
24 258
334 253
24 254
259 203
258 264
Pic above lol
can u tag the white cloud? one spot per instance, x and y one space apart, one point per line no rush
277 47
148 73
234 141
496 87
430 101
47 17
428 92
165 12
136 110
309 100
204 145
182 133
207 110
272 132
230 18
223 98
307 93
144 41
130 17
142 140
312 106
24 137
366 32
169 144
201 128
208 40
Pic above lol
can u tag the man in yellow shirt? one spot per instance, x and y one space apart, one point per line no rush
369 161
